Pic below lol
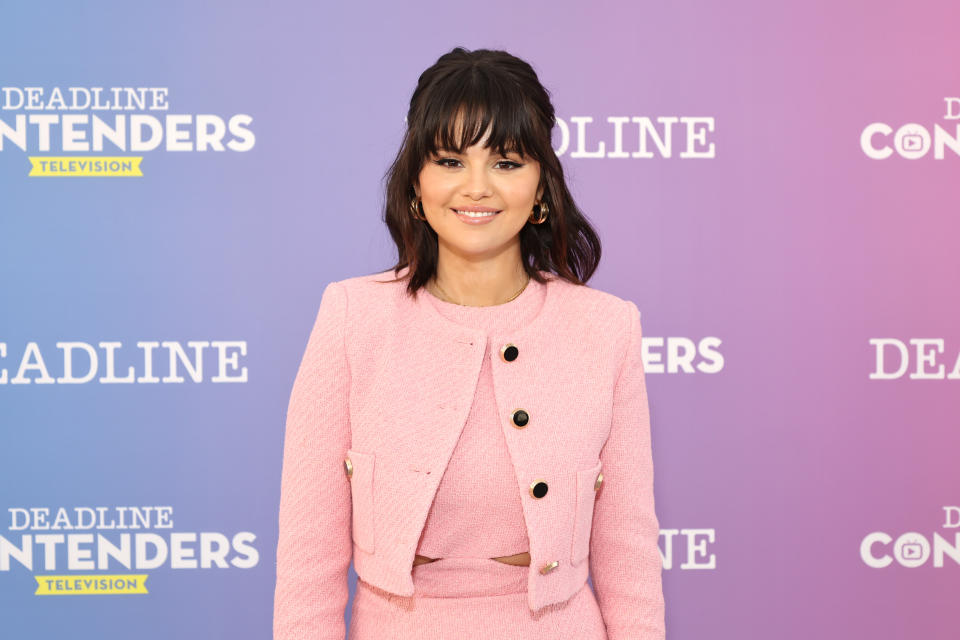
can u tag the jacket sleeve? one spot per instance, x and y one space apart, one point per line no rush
625 561
314 547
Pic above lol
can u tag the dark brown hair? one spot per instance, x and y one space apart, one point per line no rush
494 89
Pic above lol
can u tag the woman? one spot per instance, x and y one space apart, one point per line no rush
471 426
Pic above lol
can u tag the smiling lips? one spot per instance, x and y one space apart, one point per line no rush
476 215
476 209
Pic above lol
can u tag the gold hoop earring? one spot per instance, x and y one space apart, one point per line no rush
541 210
415 209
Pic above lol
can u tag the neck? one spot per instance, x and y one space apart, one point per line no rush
479 287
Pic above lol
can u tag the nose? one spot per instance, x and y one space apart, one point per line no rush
477 182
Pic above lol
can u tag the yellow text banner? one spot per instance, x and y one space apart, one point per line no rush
85 166
77 584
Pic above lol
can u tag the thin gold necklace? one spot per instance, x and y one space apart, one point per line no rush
447 298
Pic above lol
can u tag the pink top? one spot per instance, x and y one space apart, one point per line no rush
477 510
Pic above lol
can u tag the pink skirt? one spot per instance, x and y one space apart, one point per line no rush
465 598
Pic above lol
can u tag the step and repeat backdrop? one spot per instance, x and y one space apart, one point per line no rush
775 185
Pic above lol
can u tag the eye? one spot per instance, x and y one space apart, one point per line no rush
443 161
451 163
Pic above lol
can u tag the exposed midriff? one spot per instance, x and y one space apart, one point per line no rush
522 559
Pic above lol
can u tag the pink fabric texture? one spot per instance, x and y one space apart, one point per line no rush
490 604
390 382
477 514
477 511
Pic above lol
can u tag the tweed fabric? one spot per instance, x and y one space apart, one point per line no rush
476 515
580 375
477 511
491 605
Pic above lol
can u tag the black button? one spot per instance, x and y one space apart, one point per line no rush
521 418
539 490
509 352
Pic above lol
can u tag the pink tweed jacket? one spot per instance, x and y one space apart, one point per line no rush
385 387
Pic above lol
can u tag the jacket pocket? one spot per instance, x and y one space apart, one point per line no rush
587 487
361 491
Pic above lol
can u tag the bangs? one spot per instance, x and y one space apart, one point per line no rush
457 119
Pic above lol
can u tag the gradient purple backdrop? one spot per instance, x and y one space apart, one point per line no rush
791 246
